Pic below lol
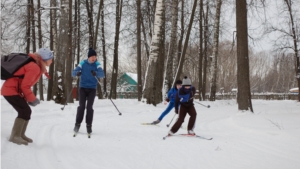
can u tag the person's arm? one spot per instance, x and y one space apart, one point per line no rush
77 69
100 72
31 73
177 101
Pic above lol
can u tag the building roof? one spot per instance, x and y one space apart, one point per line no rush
133 76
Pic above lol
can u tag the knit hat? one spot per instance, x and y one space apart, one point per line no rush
45 53
186 81
92 52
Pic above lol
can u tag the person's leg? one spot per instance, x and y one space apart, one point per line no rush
90 110
193 115
24 113
20 105
167 111
181 115
81 107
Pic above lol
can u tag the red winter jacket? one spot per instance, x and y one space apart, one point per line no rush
22 86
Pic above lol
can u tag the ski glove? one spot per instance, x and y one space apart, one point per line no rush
34 103
93 73
78 74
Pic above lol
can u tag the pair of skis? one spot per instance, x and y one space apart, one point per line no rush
188 135
75 134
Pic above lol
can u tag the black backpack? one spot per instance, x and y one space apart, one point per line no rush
13 62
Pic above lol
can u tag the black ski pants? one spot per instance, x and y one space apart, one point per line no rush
182 113
20 105
86 95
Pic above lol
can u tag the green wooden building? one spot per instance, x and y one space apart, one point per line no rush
127 83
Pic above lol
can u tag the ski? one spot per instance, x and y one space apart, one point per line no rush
151 124
188 135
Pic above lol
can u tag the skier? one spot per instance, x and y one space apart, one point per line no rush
88 70
171 98
17 91
185 97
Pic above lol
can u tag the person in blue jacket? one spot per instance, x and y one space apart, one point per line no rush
171 99
88 70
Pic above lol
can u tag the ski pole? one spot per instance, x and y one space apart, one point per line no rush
110 99
208 106
171 120
69 94
116 107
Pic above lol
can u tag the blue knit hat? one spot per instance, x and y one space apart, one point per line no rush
45 53
92 52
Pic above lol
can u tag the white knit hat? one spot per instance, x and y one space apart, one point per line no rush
45 53
186 81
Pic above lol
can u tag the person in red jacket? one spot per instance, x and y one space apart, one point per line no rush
17 91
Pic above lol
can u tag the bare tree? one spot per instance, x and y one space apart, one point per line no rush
214 66
169 73
53 37
113 90
182 57
139 55
244 95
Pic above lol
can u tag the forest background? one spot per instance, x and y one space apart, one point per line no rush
190 38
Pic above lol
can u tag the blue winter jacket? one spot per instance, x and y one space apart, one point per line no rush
172 94
87 80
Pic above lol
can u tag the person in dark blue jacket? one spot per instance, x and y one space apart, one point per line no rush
88 70
171 98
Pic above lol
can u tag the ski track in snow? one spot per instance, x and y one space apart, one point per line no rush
240 139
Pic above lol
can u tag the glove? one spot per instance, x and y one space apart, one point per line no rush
78 74
34 103
176 111
93 73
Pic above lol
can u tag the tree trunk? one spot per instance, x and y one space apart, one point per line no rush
103 45
205 51
41 92
179 50
139 48
53 37
169 73
214 67
33 37
149 85
89 8
113 90
69 58
244 95
28 23
182 58
200 50
294 36
59 89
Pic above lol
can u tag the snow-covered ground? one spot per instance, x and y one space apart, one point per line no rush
269 138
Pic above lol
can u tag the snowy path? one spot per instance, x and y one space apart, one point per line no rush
269 138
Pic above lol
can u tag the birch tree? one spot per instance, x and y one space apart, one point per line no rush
214 67
149 87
